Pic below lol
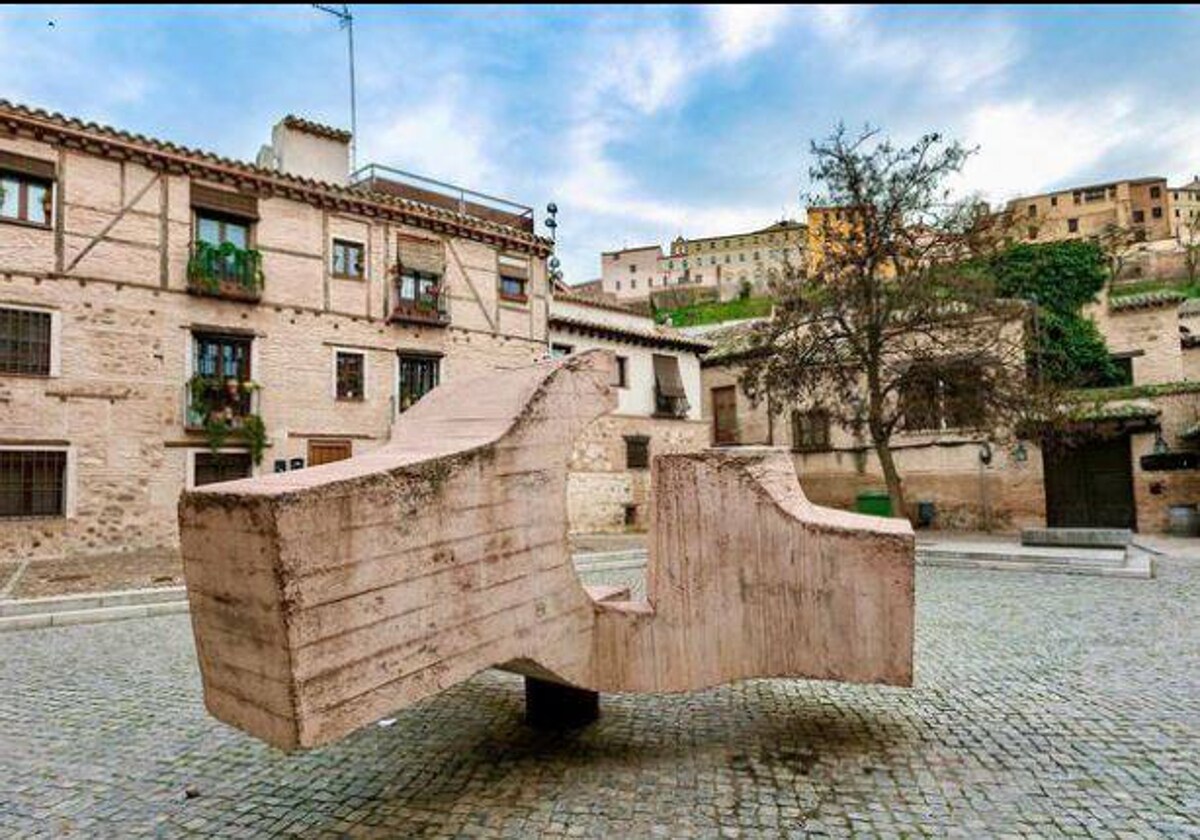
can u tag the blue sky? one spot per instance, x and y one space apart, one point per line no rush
640 122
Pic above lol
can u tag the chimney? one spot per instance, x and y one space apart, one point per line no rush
309 150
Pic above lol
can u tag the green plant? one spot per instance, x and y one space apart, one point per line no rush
211 265
255 432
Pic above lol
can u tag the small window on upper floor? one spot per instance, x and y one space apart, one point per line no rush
1155 192
24 198
348 259
1073 225
26 189
1156 212
622 380
1139 216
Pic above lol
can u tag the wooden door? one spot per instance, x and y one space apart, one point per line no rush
724 402
327 451
1089 484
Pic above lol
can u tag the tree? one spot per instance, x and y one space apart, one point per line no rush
1189 239
889 324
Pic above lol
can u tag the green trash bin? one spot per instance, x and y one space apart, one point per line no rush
874 502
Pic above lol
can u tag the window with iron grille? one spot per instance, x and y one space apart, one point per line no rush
637 452
25 341
214 467
32 483
418 376
950 396
810 431
25 199
351 375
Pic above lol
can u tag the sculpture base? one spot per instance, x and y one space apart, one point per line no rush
551 705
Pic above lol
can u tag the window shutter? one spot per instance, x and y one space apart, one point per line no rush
22 165
514 266
223 201
666 374
420 254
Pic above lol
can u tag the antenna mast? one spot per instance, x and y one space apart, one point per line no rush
346 21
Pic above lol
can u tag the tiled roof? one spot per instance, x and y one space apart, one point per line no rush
53 127
584 299
316 128
660 336
1146 300
732 342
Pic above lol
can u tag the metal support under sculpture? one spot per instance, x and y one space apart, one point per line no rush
327 598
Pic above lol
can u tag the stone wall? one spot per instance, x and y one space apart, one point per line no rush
600 487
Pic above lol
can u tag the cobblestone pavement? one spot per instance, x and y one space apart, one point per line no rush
1045 706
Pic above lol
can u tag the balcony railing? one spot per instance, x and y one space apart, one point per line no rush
428 307
208 400
225 271
668 406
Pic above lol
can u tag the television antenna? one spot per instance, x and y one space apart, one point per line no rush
346 21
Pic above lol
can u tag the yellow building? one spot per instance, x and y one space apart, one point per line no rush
1138 205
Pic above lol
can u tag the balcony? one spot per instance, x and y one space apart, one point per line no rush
675 408
430 306
225 271
212 401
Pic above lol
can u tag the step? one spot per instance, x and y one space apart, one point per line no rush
1138 565
1006 552
93 601
1078 537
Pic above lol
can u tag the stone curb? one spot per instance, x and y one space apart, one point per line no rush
64 618
92 601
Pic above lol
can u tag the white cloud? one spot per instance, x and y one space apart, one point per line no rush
954 57
1024 146
440 137
741 29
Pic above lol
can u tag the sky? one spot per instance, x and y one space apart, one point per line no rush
641 123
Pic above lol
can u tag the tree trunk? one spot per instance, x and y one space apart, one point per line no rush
891 477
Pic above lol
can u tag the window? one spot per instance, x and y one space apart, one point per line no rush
1077 196
622 372
810 431
33 483
633 269
633 284
1156 212
1139 216
350 375
557 351
214 467
418 376
637 452
1032 233
1155 192
24 198
513 288
618 285
1053 201
1094 195
1032 210
349 259
221 381
670 398
216 229
945 397
26 341
1072 225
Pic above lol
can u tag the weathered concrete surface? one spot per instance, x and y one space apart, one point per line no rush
323 599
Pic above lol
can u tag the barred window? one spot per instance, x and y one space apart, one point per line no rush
32 483
214 467
25 338
810 431
350 375
637 452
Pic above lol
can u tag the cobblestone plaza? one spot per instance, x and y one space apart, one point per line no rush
1044 706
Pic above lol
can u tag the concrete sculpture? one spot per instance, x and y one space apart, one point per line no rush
326 598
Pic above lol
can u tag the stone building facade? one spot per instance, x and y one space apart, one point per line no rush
726 264
658 410
975 482
155 299
1139 205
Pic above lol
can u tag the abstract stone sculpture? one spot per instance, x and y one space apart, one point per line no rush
326 598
